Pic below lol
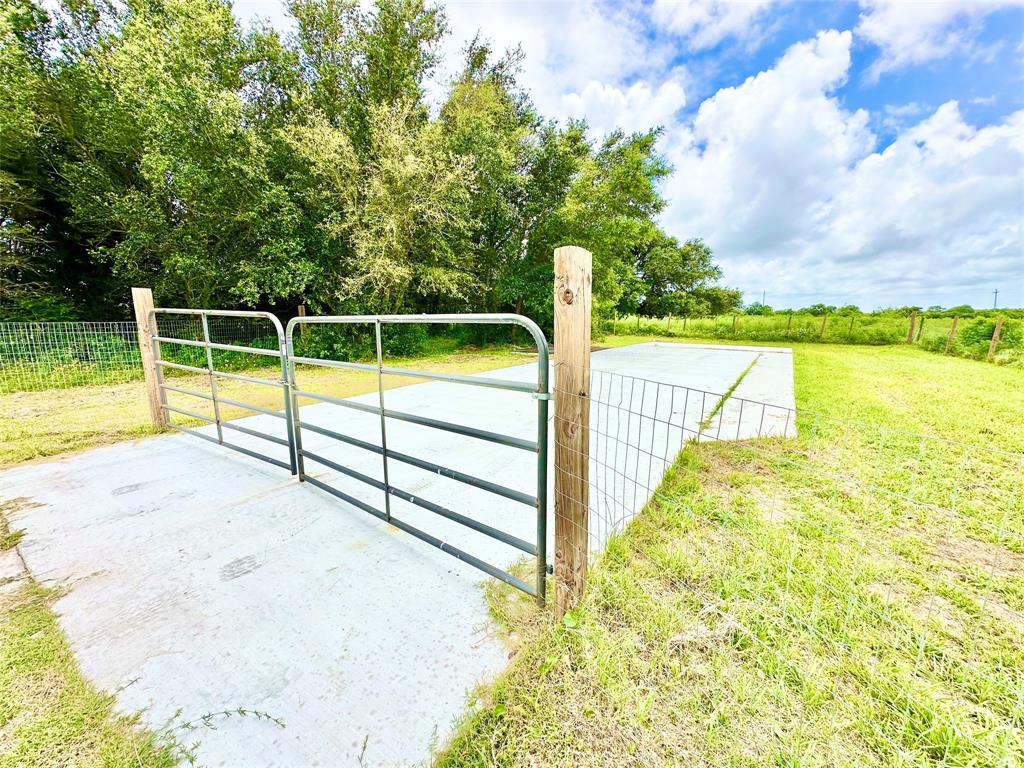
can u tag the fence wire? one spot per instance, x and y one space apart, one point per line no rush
36 356
39 356
880 569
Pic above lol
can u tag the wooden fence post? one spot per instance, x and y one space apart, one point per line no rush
951 335
573 278
913 322
849 332
668 329
920 327
684 323
142 299
789 323
734 319
302 326
824 324
995 340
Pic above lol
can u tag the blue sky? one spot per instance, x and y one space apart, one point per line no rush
866 152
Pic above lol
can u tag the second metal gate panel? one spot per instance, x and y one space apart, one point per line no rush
391 456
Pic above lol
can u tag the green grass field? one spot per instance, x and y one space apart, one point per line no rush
852 597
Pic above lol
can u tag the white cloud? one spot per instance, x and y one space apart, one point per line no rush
789 189
638 107
575 51
706 23
911 33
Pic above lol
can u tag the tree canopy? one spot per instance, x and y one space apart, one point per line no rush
162 143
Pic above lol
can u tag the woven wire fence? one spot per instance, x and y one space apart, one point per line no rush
35 356
876 574
41 356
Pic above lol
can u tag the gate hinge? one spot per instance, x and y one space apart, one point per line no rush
541 395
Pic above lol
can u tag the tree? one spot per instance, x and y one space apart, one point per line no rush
160 142
680 279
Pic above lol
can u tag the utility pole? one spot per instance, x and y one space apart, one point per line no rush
995 298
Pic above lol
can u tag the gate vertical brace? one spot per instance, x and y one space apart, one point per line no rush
212 378
383 428
292 412
289 405
542 473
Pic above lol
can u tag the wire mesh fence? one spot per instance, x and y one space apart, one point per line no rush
852 592
39 356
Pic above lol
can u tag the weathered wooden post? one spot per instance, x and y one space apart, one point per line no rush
302 326
913 322
951 335
735 318
668 328
142 299
920 327
995 340
573 278
824 325
789 323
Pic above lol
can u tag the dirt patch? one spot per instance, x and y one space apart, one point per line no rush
924 608
989 558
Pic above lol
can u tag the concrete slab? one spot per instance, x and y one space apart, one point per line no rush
203 580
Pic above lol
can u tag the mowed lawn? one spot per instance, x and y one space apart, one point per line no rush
852 597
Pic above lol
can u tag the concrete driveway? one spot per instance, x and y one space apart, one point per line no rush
200 580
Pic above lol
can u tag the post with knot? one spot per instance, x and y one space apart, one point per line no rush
573 278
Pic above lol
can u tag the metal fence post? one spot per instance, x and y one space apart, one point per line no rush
142 299
383 425
573 278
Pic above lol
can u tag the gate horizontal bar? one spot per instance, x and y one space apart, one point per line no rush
429 466
254 433
467 558
494 437
437 509
184 391
232 446
222 374
225 347
251 407
228 400
413 373
229 425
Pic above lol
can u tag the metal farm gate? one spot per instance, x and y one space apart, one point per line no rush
295 426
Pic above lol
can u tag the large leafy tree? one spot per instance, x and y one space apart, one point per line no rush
159 142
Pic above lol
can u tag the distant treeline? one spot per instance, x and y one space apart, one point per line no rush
161 143
817 310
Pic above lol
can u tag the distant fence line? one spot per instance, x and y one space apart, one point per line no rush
998 339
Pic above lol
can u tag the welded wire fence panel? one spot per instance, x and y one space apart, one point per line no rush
841 592
637 429
39 356
35 356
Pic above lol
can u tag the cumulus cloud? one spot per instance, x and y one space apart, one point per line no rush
791 190
582 52
706 23
911 33
637 107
